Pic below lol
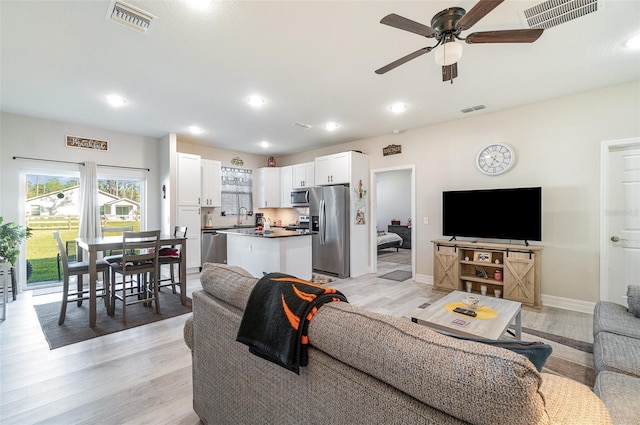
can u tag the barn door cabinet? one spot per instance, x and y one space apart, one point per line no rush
512 269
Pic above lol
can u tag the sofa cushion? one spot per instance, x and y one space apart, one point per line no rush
620 393
616 353
187 332
633 300
230 284
474 382
614 318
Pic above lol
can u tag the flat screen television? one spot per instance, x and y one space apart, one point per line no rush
493 213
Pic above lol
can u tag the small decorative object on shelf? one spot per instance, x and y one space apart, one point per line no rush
271 162
497 293
484 257
497 261
480 272
497 275
395 222
483 289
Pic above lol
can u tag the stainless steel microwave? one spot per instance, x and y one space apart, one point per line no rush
300 198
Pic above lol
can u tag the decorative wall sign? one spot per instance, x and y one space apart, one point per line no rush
237 161
392 150
81 142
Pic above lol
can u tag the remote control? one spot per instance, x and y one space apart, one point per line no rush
465 311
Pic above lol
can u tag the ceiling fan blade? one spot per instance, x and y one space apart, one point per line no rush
506 36
449 72
404 59
477 12
399 22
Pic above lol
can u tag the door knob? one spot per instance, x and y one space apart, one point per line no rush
615 239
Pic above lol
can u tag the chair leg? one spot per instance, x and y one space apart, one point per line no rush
155 291
65 294
173 278
112 308
105 284
80 286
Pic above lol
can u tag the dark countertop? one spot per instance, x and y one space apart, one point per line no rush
248 226
274 233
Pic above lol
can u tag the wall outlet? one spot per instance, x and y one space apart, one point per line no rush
426 220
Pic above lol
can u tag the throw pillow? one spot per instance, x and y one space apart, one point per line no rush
536 351
633 299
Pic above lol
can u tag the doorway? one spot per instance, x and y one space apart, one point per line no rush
382 215
619 218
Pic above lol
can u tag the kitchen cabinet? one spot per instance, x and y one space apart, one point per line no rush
189 216
303 175
333 169
188 179
268 188
211 184
286 184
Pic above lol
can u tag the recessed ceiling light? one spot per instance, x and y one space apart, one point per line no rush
200 4
634 43
265 144
331 126
398 107
116 100
194 129
256 100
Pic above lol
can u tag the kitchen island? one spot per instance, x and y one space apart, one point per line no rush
267 251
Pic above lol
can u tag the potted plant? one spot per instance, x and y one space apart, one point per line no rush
11 236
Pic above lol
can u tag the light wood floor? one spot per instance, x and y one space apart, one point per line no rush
143 375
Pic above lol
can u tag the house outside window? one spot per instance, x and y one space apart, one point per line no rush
237 187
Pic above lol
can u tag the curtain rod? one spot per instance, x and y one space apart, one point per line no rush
80 163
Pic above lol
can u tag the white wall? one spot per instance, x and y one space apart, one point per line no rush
557 143
393 197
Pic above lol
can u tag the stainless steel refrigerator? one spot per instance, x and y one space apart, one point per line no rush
329 211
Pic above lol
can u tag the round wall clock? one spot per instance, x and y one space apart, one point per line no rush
495 159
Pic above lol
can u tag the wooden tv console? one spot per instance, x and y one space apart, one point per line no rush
457 262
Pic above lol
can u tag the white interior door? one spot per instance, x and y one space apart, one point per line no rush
621 220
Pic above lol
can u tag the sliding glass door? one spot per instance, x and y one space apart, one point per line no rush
52 203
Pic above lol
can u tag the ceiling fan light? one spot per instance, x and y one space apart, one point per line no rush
448 53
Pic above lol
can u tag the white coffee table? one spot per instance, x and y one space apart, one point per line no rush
438 317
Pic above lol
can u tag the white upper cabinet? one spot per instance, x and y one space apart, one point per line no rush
268 184
211 184
286 179
188 179
303 175
333 169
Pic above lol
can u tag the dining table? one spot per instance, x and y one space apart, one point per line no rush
95 246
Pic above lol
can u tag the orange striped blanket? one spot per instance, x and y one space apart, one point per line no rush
276 319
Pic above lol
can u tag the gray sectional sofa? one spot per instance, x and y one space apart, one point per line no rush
366 368
616 355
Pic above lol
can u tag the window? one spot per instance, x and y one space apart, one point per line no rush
52 203
237 185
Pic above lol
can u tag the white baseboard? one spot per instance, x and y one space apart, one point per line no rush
568 304
547 300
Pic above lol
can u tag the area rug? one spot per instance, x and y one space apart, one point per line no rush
570 358
397 275
76 325
403 256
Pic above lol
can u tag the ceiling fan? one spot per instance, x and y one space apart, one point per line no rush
446 27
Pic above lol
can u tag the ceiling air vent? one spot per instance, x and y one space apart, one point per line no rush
301 125
130 16
471 109
550 13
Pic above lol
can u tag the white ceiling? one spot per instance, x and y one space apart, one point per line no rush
313 60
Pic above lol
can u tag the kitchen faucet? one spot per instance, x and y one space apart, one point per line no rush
240 214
